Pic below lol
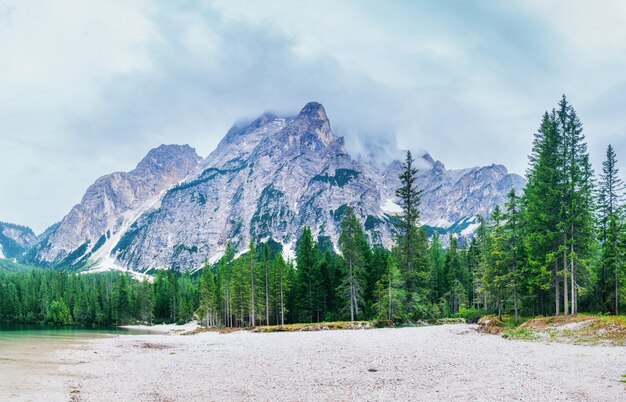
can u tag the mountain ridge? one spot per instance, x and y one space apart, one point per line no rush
265 179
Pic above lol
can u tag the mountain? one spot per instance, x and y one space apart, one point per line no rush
112 204
266 179
15 240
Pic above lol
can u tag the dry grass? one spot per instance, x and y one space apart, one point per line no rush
490 324
199 330
230 330
582 329
322 326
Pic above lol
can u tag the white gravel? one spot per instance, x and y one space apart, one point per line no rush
450 362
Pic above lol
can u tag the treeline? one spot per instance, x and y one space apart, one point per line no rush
557 248
49 296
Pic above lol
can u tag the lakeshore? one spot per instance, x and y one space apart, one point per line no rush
448 362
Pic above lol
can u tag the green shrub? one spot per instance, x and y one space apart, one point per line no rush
59 314
471 315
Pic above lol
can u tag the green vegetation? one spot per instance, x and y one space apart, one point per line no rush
340 179
63 298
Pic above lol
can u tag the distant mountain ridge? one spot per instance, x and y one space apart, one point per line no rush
266 179
15 240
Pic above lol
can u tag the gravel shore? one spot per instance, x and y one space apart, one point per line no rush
449 362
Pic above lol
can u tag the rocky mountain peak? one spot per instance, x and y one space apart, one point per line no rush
311 127
313 111
168 159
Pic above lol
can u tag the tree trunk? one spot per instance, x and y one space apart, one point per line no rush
252 306
515 300
565 291
267 298
573 272
616 290
282 304
206 324
389 312
556 288
351 285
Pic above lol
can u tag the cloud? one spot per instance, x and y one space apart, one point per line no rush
89 87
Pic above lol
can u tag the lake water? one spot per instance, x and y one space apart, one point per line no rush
30 362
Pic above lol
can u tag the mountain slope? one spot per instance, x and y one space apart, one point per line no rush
15 240
269 178
112 203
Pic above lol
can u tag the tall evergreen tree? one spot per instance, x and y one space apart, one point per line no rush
307 266
610 219
410 199
438 286
390 295
207 295
577 202
412 243
352 241
516 250
542 210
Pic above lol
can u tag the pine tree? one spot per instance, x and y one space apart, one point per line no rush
576 203
207 295
390 295
437 255
453 277
266 276
542 210
610 197
307 265
224 284
351 243
515 253
495 276
412 243
280 286
146 302
123 299
410 199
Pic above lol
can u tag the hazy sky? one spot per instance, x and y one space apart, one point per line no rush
88 87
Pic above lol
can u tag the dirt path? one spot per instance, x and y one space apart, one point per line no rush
451 362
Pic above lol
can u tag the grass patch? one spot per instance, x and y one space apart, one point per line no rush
322 326
443 321
584 329
523 334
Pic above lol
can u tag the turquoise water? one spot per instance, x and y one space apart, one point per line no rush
31 358
17 332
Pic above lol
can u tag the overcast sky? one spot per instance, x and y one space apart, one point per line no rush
88 87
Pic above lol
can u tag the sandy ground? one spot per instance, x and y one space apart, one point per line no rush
450 362
29 370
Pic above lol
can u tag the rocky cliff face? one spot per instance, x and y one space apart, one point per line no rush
269 178
113 202
15 240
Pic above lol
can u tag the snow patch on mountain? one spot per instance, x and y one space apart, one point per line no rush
391 207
